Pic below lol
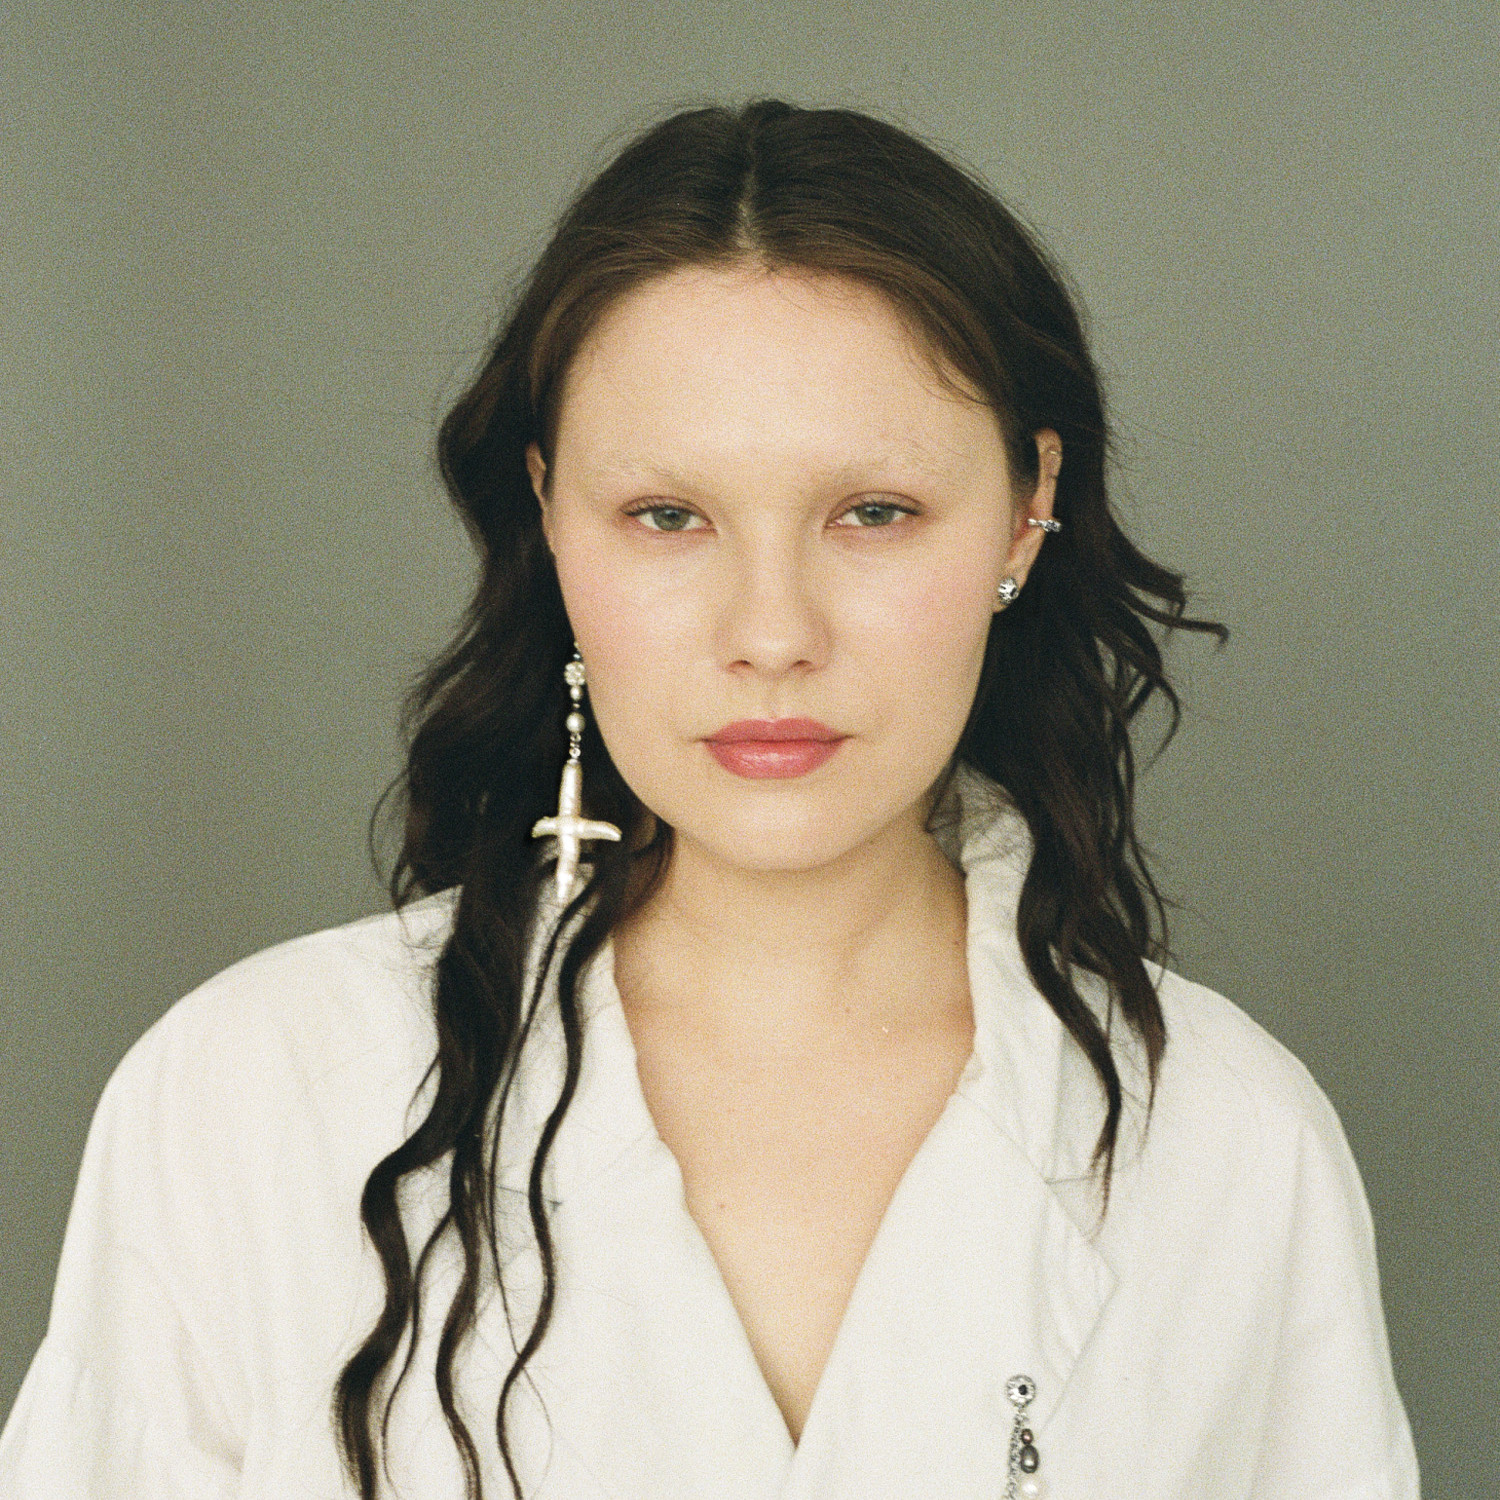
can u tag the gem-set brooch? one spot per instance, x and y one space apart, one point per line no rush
1022 1481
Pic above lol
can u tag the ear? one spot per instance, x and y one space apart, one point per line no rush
1025 538
536 466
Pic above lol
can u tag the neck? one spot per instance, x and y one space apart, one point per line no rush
848 941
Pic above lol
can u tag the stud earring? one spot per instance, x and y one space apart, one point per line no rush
568 827
1009 590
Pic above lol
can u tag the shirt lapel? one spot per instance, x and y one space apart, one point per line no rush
979 1271
645 1383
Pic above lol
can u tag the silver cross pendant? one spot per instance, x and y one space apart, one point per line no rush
569 829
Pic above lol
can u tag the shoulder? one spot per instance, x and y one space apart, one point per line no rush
1239 1136
338 989
245 1122
214 1232
1219 1055
333 1023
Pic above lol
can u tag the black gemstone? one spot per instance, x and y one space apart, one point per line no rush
1030 1458
1026 1436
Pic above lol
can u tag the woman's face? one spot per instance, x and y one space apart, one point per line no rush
765 507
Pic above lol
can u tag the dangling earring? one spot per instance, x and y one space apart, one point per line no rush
568 828
1009 590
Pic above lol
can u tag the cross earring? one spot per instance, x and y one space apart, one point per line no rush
568 827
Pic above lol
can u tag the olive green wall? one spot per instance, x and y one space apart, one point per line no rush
249 252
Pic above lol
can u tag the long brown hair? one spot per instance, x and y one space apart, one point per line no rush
1067 668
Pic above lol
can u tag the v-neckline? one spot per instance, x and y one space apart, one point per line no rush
610 1003
975 1273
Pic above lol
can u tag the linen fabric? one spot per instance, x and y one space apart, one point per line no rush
1218 1337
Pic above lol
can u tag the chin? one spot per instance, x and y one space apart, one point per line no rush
791 855
789 835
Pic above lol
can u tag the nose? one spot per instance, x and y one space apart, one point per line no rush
773 619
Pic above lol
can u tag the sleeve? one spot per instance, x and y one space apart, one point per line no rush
1336 1428
120 1398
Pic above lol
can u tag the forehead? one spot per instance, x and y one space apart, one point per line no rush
735 362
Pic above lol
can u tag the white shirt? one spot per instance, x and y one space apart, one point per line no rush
1219 1338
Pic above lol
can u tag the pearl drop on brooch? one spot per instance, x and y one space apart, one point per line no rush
1032 1487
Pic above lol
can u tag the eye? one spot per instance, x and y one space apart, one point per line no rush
870 513
665 517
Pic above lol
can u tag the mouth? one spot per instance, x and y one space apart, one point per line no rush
762 749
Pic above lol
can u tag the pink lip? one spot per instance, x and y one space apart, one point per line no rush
770 731
760 749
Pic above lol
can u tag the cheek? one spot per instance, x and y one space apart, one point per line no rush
630 632
612 618
923 637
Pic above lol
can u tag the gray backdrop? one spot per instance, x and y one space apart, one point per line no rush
250 252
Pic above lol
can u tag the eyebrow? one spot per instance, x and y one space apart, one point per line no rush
855 470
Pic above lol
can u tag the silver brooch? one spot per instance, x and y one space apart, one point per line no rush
1022 1481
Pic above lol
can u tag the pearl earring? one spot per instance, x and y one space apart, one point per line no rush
568 827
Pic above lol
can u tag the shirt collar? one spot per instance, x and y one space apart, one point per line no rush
983 1268
1026 1074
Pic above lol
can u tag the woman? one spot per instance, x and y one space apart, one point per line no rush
793 1105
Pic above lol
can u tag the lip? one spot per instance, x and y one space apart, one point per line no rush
773 731
773 749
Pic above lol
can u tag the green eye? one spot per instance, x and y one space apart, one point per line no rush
666 517
875 513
